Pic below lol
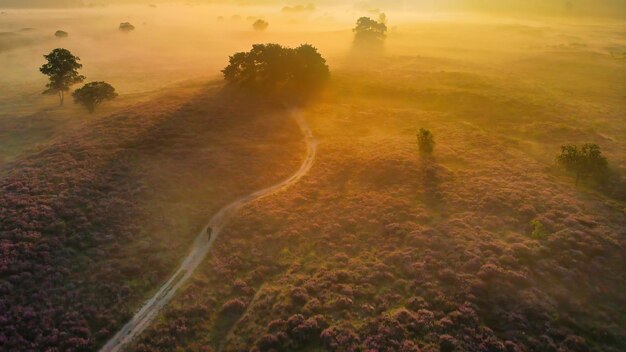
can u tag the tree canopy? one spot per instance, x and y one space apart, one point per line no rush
62 70
271 67
425 141
586 161
369 33
93 94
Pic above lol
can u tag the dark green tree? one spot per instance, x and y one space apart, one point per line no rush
425 141
62 70
369 33
584 162
93 94
270 67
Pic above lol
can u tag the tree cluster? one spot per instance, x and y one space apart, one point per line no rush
272 67
62 70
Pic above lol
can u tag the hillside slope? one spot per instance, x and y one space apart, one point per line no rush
383 249
90 224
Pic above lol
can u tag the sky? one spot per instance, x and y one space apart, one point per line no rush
612 8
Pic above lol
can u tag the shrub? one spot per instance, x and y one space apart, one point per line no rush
61 34
425 141
538 231
447 343
234 307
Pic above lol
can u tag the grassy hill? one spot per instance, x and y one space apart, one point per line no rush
381 248
94 221
485 245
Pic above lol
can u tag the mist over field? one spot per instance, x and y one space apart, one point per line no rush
410 176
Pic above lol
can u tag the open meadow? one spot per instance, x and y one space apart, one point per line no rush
484 243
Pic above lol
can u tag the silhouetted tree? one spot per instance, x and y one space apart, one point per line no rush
583 162
260 25
62 70
382 18
272 66
425 141
93 94
369 33
126 27
61 34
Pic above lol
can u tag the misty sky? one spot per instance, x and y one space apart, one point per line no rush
613 8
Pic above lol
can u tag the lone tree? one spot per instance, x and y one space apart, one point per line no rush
272 67
586 161
425 141
62 69
260 25
126 27
370 33
93 94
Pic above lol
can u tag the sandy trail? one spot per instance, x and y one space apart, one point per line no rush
201 246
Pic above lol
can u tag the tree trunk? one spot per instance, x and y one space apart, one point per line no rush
61 98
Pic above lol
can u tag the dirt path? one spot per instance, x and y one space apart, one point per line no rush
201 246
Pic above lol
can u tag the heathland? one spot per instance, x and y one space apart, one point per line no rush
485 244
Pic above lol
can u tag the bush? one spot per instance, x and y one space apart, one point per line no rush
425 141
61 34
234 307
538 231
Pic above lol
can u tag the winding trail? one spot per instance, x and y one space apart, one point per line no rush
201 246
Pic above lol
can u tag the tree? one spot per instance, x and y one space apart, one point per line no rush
425 141
93 94
586 161
62 70
271 66
260 25
126 27
370 33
